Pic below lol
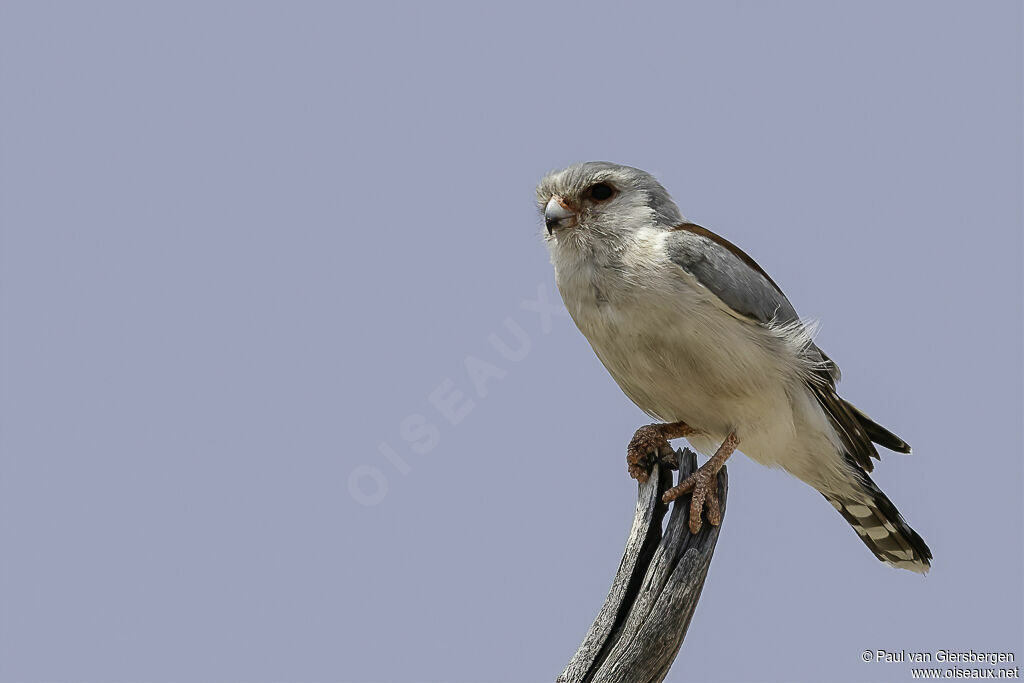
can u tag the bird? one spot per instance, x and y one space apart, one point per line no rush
704 341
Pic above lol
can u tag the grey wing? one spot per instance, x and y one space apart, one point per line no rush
735 278
729 274
742 285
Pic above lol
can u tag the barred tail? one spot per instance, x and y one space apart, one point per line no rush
881 526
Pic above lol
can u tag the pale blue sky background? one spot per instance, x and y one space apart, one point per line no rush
243 244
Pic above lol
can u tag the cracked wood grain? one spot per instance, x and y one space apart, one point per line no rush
639 629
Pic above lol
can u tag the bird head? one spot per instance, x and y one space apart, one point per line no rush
598 200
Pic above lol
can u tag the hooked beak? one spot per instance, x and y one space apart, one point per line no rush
557 214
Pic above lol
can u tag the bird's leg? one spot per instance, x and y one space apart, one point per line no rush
650 444
704 484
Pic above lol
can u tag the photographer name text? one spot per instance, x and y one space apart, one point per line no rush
973 656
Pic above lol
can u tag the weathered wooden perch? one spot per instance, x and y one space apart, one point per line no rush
638 631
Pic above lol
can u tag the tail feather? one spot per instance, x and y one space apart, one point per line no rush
861 503
858 432
880 525
878 433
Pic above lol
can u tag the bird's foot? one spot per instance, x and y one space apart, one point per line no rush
650 446
704 485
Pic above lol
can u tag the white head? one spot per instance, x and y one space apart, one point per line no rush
597 203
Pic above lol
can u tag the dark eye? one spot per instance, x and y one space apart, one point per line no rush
601 191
